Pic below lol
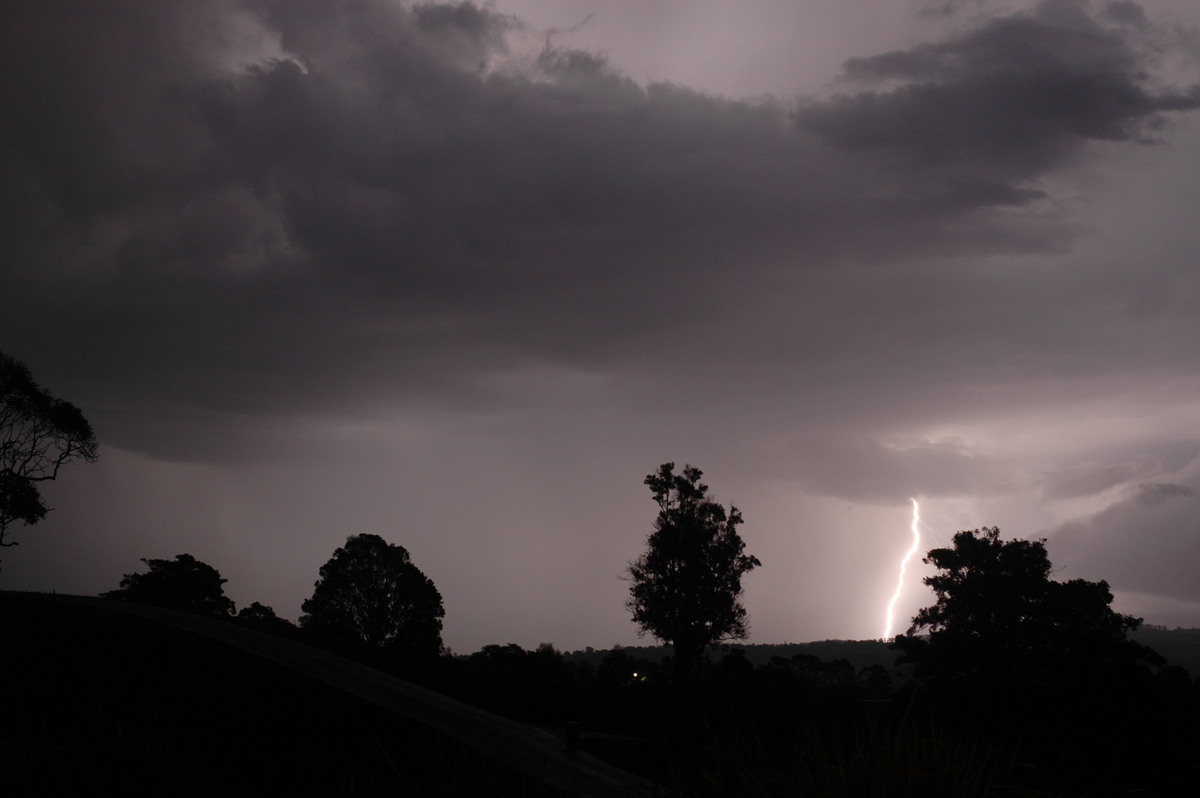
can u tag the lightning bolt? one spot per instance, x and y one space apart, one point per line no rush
916 532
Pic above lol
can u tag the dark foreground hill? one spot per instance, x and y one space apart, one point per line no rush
103 698
98 702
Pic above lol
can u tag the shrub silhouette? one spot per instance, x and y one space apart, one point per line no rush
261 617
183 583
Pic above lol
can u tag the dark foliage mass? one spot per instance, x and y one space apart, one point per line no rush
686 586
39 434
1044 664
371 591
260 616
999 619
183 583
534 686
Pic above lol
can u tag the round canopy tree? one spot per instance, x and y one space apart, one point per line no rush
1045 665
686 587
370 589
183 583
999 619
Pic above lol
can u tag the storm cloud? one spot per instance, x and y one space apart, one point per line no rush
233 231
1147 542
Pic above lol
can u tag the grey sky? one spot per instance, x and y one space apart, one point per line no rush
435 273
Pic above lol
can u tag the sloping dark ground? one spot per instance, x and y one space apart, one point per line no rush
98 703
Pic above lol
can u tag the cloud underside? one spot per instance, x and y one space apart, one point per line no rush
1147 543
263 209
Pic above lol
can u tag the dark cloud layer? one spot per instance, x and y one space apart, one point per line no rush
395 184
1149 542
1090 480
228 227
1003 103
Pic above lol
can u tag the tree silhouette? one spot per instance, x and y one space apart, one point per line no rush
39 434
260 616
999 619
686 586
183 583
370 589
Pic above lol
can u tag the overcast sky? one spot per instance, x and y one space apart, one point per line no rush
462 275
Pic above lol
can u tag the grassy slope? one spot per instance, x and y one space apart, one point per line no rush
95 703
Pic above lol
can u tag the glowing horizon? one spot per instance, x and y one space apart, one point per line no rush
916 520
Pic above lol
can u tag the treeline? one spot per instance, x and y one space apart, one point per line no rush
800 724
1009 682
830 718
370 597
1178 646
860 653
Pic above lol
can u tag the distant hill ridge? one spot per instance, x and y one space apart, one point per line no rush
1179 647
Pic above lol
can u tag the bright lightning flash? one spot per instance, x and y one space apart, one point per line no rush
916 532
